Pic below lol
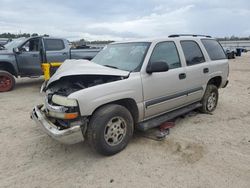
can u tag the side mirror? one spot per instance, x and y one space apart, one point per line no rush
16 50
159 66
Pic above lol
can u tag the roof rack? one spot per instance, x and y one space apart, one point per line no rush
191 35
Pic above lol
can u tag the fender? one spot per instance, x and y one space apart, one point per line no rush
9 66
90 99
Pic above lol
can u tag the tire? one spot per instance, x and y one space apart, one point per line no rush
210 99
7 81
110 129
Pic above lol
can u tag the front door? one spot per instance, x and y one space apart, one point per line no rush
164 91
29 58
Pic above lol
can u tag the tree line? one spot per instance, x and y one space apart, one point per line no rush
13 36
233 38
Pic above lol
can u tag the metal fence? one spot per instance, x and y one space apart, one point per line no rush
236 44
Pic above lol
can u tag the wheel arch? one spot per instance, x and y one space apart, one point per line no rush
217 80
129 104
7 66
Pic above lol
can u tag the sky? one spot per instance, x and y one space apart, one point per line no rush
125 19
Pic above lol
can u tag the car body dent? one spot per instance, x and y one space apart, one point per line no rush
84 67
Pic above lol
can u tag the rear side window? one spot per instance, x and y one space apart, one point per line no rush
54 44
166 51
214 49
192 53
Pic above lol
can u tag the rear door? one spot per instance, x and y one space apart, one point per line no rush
218 61
56 50
29 58
164 91
197 70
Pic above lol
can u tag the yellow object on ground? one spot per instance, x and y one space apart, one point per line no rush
46 68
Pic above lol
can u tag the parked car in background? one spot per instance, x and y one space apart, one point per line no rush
244 50
23 57
85 47
230 52
131 85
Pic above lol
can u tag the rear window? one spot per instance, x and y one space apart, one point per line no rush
192 53
214 49
54 44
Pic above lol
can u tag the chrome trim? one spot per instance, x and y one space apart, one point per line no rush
160 103
168 111
71 135
171 97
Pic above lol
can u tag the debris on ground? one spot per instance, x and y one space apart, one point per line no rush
111 181
159 133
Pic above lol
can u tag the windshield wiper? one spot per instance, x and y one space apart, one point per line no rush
110 66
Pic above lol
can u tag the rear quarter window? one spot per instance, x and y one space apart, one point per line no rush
214 49
54 44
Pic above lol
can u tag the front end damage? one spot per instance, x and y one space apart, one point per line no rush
69 135
60 116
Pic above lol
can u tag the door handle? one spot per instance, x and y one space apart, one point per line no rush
205 70
35 55
64 53
182 76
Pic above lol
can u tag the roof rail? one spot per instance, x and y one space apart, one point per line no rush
191 35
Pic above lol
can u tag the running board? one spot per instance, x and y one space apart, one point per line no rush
157 121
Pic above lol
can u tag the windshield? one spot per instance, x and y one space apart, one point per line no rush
123 56
14 43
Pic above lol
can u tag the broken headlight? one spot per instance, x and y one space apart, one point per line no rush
64 101
61 107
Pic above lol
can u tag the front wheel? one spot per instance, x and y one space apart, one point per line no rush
210 99
110 129
7 81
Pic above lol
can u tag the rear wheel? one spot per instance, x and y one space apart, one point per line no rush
7 81
110 129
210 99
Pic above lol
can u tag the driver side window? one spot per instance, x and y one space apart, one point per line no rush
167 52
32 45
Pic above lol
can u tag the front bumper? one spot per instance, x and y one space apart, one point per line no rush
71 135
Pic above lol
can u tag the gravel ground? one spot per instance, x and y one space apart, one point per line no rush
201 151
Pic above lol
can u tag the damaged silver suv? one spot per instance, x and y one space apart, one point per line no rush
131 85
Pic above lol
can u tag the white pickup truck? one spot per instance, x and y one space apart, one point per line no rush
136 84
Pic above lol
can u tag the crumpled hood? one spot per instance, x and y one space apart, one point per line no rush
84 67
